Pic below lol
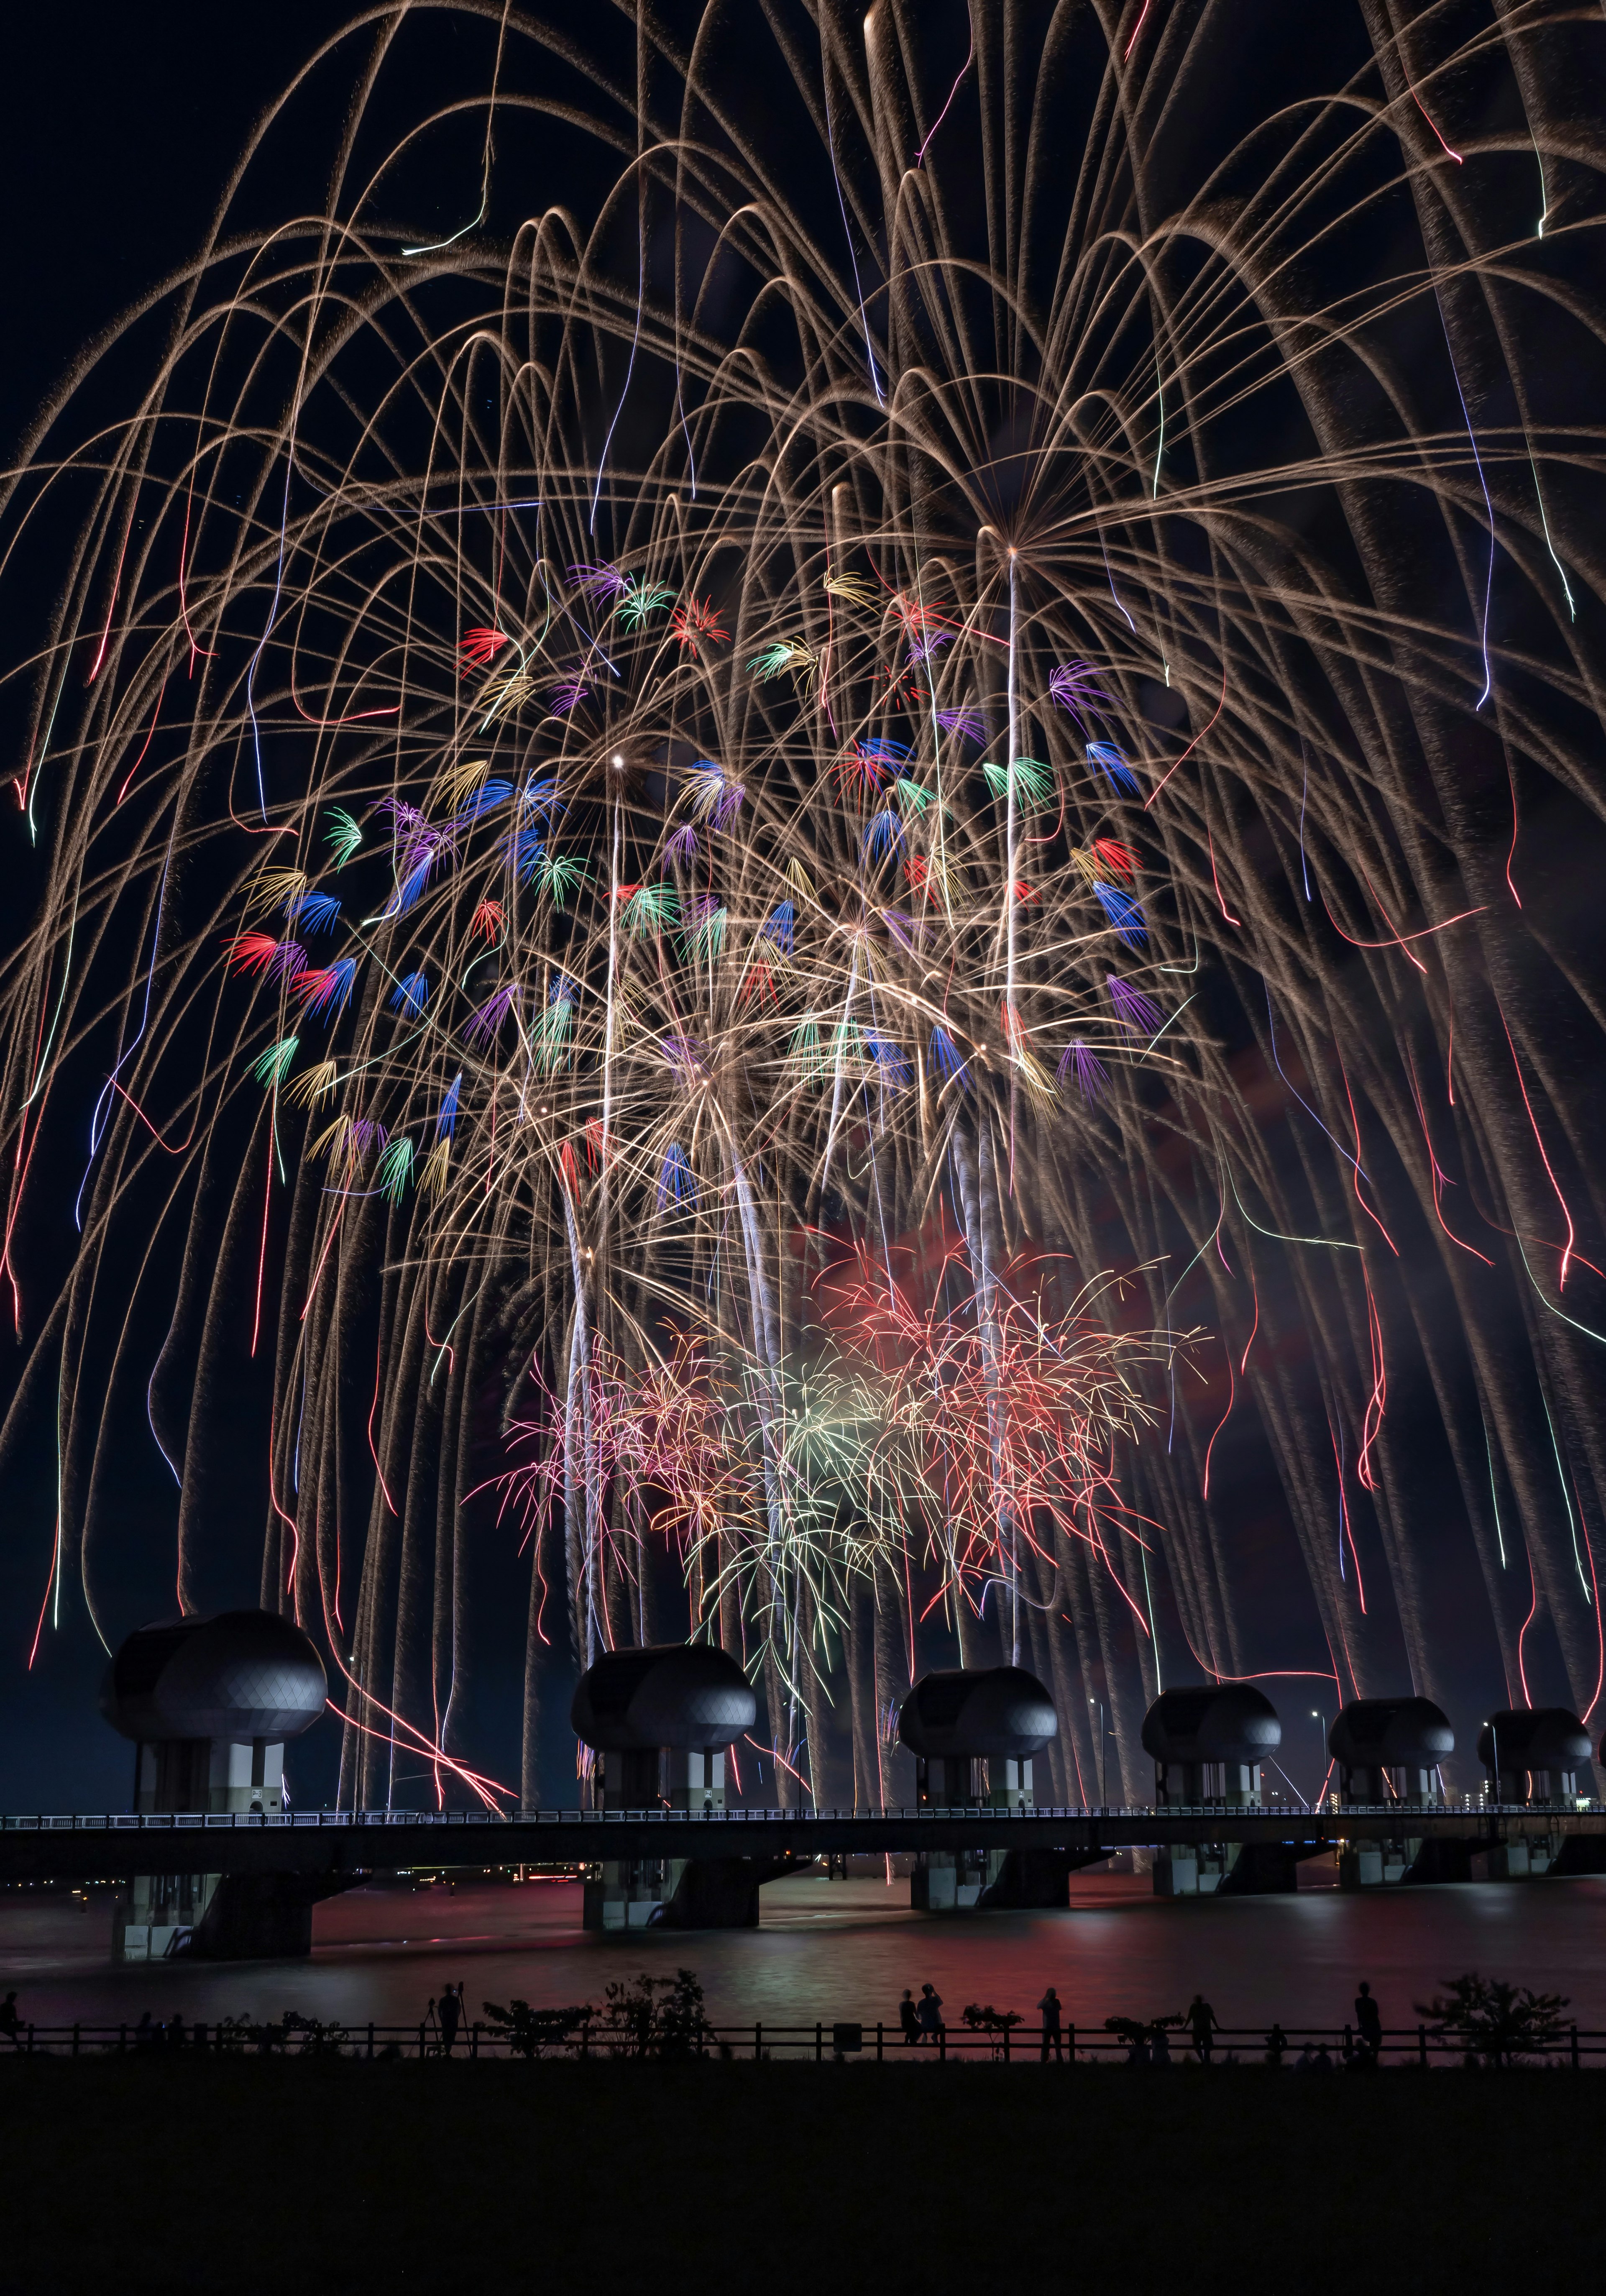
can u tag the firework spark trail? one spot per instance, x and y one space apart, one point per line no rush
663 902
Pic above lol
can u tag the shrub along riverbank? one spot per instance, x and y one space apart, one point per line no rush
148 2175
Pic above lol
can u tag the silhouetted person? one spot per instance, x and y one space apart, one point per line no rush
1306 2062
451 2014
1048 2009
10 2023
1368 2019
1322 2060
929 2012
1276 2042
1202 2023
1159 2049
907 2019
144 2033
175 2030
1138 2052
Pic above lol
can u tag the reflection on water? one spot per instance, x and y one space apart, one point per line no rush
830 1949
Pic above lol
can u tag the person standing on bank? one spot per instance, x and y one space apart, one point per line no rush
1368 2019
1048 2009
450 2013
929 2012
907 2020
1202 2023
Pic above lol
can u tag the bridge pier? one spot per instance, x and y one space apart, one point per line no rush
682 1893
1404 1861
1035 1881
1229 1869
264 1916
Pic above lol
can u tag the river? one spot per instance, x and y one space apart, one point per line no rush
830 1949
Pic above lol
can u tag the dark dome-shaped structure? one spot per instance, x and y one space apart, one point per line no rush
1391 1733
1534 1738
241 1674
1226 1722
984 1713
686 1697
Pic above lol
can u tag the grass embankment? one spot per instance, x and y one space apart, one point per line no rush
193 2177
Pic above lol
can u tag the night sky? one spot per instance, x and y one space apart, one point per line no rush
118 129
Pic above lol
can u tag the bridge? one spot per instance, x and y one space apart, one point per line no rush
344 1845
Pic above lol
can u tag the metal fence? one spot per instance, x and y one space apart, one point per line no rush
162 1821
1413 2045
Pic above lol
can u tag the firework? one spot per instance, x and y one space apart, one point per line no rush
886 778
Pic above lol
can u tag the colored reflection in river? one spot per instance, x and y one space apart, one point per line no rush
828 1949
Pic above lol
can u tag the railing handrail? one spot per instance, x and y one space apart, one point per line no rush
983 1813
1023 2041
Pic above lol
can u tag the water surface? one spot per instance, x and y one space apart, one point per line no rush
829 1950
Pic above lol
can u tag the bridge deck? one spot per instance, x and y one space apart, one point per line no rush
108 1847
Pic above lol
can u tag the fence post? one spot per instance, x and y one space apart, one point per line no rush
122 2038
879 2032
942 2044
422 2031
371 2040
1070 2038
1575 2048
819 2045
31 2041
1421 2047
1574 2045
757 2041
1007 2045
473 2040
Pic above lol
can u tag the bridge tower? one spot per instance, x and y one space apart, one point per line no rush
974 1733
659 1722
1539 1757
1208 1746
1388 1751
209 1703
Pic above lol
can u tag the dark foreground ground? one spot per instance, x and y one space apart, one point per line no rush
334 2176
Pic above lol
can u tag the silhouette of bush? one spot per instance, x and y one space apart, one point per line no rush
1494 2020
530 2032
655 2017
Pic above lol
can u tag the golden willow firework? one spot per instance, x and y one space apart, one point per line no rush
913 680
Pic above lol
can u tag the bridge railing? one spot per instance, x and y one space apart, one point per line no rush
1330 2048
469 1819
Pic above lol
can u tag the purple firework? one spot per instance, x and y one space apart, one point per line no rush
682 845
1075 686
600 581
483 1025
968 722
1140 1013
923 647
567 694
1078 1060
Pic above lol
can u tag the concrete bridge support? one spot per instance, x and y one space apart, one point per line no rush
682 1893
263 1916
1034 1880
1228 1869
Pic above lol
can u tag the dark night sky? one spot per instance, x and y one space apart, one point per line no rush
117 128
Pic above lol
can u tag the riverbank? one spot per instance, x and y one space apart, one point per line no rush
191 2177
